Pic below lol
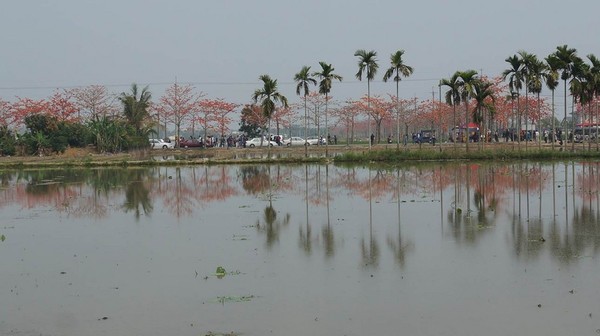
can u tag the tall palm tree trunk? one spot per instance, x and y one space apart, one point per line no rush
565 119
454 126
467 123
519 120
305 128
573 123
326 128
397 118
526 115
539 124
553 122
369 112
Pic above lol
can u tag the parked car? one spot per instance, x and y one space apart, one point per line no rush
186 143
424 136
257 142
161 144
314 140
295 141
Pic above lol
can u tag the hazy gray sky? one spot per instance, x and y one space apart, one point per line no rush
224 46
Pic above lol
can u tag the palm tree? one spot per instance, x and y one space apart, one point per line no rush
551 78
535 78
400 69
269 96
452 97
367 62
327 76
583 86
483 93
566 59
135 107
527 61
580 90
595 77
515 82
303 80
467 90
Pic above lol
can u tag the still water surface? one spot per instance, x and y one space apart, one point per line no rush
457 249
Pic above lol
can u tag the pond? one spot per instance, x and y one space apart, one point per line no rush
420 249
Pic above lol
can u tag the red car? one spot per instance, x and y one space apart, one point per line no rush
187 143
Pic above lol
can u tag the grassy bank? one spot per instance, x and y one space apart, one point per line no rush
339 153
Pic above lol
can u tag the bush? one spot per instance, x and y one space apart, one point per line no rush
7 141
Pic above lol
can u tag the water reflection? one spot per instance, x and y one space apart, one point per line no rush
544 206
137 195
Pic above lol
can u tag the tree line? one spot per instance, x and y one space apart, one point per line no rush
93 116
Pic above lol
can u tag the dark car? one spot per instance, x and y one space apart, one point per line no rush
188 143
424 136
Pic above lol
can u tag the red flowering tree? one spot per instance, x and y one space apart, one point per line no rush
178 105
94 102
62 107
6 113
253 121
315 106
283 117
346 116
205 116
25 107
379 110
218 111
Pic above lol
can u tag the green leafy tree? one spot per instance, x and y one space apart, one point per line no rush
8 141
269 96
398 70
109 135
136 106
252 121
43 134
367 63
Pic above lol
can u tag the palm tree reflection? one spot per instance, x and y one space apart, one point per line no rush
396 244
305 235
137 194
272 226
370 250
327 231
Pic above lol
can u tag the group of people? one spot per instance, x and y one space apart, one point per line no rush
548 136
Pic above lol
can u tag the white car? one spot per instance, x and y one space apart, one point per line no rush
316 140
161 144
257 142
295 141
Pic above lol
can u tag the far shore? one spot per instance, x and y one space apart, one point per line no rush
88 157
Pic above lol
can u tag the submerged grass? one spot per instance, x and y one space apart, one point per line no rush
448 154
